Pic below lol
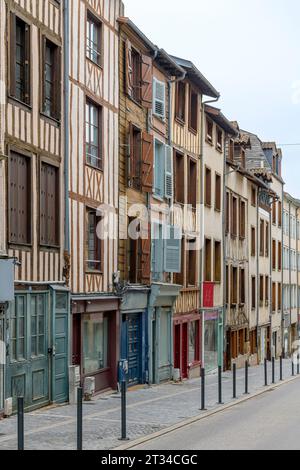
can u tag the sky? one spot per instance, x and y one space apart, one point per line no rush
249 51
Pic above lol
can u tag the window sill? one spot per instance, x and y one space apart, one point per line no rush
217 210
93 271
25 106
160 118
179 121
193 131
99 66
49 247
16 245
157 197
210 142
219 150
94 167
50 119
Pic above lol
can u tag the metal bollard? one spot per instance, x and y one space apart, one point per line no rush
123 411
293 368
266 372
203 390
79 418
298 364
246 378
273 370
281 368
234 380
20 423
220 402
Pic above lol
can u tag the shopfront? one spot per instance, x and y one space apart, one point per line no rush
187 341
2 355
212 339
96 339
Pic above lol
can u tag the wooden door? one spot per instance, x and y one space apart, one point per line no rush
177 348
184 351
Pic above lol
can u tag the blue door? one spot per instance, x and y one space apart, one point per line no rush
134 348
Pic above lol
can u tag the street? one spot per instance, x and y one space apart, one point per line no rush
268 422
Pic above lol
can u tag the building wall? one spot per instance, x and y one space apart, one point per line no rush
89 186
3 162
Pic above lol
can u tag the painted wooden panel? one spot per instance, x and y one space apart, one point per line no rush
188 301
94 184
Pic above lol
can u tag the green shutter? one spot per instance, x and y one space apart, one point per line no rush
173 250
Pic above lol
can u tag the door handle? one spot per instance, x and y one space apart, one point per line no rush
52 351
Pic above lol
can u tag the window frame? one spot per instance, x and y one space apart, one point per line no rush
100 147
92 18
98 243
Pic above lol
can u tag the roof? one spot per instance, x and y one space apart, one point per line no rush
160 56
221 120
291 199
197 78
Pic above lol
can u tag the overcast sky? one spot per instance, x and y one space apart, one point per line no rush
250 52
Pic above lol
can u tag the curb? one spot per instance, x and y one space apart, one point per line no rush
195 419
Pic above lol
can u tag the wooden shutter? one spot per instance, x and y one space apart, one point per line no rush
159 98
169 173
27 63
49 205
12 58
147 81
57 86
129 69
173 250
147 162
43 205
20 200
146 257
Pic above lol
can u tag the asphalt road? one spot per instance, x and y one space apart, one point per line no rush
268 422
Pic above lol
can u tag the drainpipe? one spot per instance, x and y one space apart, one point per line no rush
66 122
257 262
202 183
290 268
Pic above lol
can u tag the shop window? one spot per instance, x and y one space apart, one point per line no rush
194 342
95 343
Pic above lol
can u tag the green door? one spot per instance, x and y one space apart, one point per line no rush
28 368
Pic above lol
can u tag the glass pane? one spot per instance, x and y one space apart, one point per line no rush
192 342
13 352
165 339
41 346
95 343
21 349
33 346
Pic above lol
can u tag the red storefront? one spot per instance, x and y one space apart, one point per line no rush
187 344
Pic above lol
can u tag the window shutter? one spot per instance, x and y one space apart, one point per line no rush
129 71
12 58
147 164
43 210
44 43
159 98
157 252
169 173
173 250
57 84
27 63
147 87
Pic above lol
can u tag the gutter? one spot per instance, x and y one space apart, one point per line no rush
66 124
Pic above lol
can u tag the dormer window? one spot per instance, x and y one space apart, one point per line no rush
209 131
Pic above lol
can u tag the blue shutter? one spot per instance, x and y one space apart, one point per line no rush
159 169
173 250
159 102
157 252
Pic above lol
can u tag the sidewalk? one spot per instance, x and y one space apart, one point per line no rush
149 410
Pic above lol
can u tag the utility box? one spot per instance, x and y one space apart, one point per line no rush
6 280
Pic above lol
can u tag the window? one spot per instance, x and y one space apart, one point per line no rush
267 239
274 210
51 79
192 265
279 214
267 288
19 59
280 297
261 290
38 325
262 238
208 187
274 296
49 205
179 177
95 343
136 157
159 101
93 135
18 329
180 101
279 256
208 273
253 196
234 216
242 219
253 342
217 262
274 255
219 139
159 169
234 283
253 293
209 130
136 75
242 287
194 342
19 199
192 183
93 39
218 191
93 248
227 213
193 110
253 241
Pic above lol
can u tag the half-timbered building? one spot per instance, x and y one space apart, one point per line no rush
32 186
93 186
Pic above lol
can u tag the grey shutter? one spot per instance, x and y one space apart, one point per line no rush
159 102
156 252
173 250
169 183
